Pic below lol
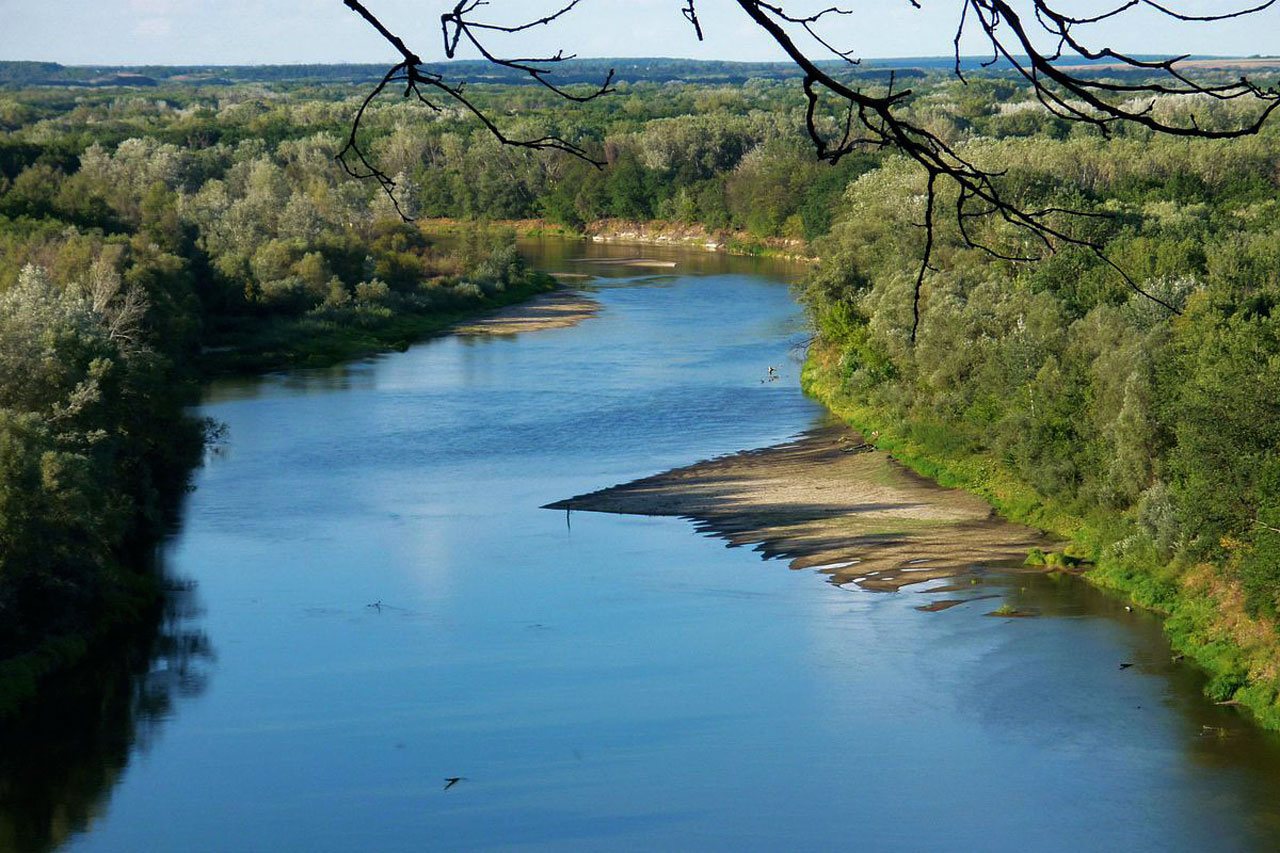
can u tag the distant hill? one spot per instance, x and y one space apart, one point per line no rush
631 70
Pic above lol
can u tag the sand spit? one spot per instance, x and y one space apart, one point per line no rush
629 262
826 502
948 603
556 310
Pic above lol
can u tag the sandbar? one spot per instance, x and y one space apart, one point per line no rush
828 502
555 310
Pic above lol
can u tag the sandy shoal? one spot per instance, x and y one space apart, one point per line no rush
555 310
827 502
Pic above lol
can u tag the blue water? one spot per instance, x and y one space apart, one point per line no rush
622 683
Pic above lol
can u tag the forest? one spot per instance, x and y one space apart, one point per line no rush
151 236
136 260
1136 416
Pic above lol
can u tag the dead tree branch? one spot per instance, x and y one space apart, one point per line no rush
1088 92
420 83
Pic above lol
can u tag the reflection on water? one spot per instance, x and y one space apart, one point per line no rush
621 683
60 759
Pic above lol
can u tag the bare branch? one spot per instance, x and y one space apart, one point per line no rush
410 72
691 15
931 198
1084 94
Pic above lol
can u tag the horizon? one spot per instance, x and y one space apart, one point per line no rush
603 58
876 63
297 32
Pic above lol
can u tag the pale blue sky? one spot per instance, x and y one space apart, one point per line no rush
287 31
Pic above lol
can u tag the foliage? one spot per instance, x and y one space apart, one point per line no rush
137 253
144 236
1075 402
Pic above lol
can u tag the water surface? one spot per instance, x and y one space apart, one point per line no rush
609 682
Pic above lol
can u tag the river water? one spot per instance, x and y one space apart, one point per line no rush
374 603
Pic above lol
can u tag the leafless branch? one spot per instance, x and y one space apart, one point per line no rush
1081 93
418 81
690 13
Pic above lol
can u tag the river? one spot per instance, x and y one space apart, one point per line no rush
373 603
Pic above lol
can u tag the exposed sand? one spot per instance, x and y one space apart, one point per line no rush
857 516
948 603
629 262
556 310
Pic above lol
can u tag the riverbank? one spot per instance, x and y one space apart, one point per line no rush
259 345
1206 620
829 501
135 610
646 233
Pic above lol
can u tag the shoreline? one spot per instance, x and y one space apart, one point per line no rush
309 342
1203 612
829 502
654 232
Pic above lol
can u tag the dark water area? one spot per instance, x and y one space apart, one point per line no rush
379 605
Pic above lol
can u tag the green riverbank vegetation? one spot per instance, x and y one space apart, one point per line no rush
1149 439
193 224
131 268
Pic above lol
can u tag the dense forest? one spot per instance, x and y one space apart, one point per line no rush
135 260
1069 398
147 235
582 70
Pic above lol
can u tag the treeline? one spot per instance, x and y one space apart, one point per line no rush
725 157
129 270
580 71
221 213
1075 401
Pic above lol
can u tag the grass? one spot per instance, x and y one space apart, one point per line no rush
1204 607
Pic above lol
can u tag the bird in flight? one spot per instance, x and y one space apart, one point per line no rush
450 781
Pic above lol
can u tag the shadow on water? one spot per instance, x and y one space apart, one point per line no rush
1213 738
730 720
61 757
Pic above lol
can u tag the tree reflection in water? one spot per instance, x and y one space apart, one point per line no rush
61 757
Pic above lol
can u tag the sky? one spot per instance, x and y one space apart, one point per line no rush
136 32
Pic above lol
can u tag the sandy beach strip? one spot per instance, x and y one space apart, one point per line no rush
556 310
828 502
655 263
